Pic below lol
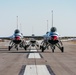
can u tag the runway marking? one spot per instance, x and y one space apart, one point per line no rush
40 55
50 70
22 70
38 70
33 50
34 55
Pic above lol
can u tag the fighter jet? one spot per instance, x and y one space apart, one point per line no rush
33 42
16 40
51 39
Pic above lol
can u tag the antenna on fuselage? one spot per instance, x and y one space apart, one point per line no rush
52 18
17 22
32 29
47 25
20 27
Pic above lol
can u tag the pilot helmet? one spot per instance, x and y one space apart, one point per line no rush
17 31
53 29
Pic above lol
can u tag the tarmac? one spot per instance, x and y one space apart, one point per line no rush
35 62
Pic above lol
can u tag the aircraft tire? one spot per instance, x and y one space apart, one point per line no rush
43 49
9 47
62 49
25 47
40 47
53 50
17 49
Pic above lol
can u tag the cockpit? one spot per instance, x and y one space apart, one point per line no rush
17 31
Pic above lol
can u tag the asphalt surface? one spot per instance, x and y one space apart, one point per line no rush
23 62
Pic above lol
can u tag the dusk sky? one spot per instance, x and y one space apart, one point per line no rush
33 16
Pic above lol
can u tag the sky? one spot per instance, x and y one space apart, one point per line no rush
33 16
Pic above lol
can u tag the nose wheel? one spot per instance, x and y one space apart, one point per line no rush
53 48
16 47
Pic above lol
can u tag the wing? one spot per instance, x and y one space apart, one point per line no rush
7 38
35 37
